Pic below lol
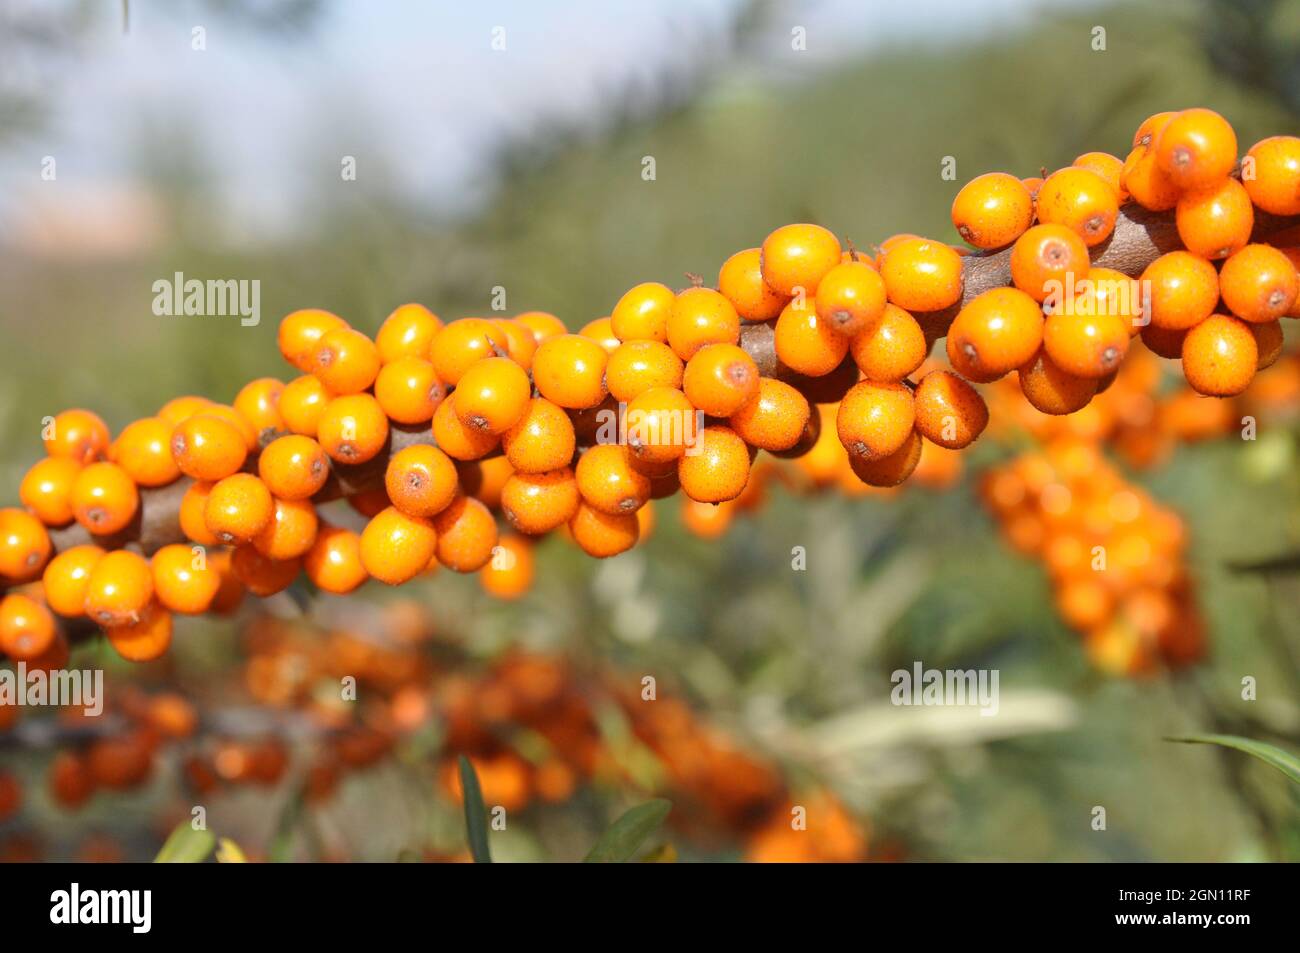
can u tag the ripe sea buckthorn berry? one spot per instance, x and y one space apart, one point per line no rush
1216 221
78 434
805 343
346 361
300 331
850 297
46 489
353 429
1259 283
456 439
774 419
231 593
1080 200
291 532
891 469
509 573
642 313
145 639
718 469
467 534
707 520
485 479
407 332
543 438
521 344
536 503
639 365
797 256
1183 290
701 316
1109 168
1106 291
602 535
1052 390
602 332
1085 344
492 395
463 343
1268 341
1042 258
262 575
543 324
1220 356
301 404
333 563
183 408
66 577
1146 183
293 467
949 412
193 522
993 210
608 481
661 424
238 508
258 402
206 447
1293 255
890 347
741 282
409 391
183 579
997 332
720 379
1151 127
104 498
119 588
143 450
421 480
1196 148
921 275
26 627
1165 342
1271 174
875 419
569 370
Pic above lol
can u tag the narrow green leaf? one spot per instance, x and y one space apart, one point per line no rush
475 813
185 845
1279 758
626 834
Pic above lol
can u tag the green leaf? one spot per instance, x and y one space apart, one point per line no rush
1283 760
475 813
626 834
185 845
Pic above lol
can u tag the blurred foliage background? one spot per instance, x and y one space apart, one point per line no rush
797 663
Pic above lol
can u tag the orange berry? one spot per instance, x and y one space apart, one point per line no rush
707 520
467 534
1148 184
492 395
262 575
805 343
302 402
66 577
774 419
602 332
797 257
608 481
542 439
741 282
891 469
1293 255
1052 390
701 316
1259 283
1271 174
997 332
1080 200
1043 257
143 450
407 332
238 509
542 324
26 627
145 639
46 489
536 503
104 498
291 531
231 593
875 419
1109 168
421 480
1220 356
78 434
119 588
1165 342
1196 148
661 424
1151 127
293 467
993 210
462 344
642 313
569 370
353 429
716 470
921 275
509 574
720 379
300 331
636 366
345 361
948 411
1268 341
333 563
521 345
206 447
194 505
183 579
602 535
1084 344
1216 221
1183 290
850 297
889 347
458 440
179 409
1106 291
258 402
